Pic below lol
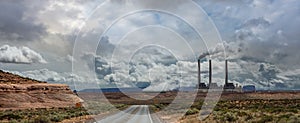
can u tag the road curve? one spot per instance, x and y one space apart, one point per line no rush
133 114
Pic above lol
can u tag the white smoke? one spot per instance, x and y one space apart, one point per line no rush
12 54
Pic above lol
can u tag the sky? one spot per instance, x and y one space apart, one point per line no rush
108 43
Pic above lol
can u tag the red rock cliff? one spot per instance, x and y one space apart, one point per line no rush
18 92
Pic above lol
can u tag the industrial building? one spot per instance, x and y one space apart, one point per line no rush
228 87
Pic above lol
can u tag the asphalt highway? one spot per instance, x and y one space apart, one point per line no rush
133 114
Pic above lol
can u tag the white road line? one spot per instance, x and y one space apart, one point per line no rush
141 115
149 115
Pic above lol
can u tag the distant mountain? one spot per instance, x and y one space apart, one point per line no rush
104 90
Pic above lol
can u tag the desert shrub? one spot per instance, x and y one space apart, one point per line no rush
41 115
13 121
287 116
80 113
282 120
198 105
230 117
11 116
217 108
192 111
41 119
72 115
248 117
265 119
66 116
56 118
120 106
276 110
293 110
159 106
294 119
241 113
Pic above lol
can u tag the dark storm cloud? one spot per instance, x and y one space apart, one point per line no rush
105 48
15 25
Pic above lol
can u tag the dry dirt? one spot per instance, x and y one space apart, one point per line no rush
231 99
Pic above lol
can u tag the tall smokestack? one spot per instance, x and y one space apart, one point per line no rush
226 72
210 72
199 75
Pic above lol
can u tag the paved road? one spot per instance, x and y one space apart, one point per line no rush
133 114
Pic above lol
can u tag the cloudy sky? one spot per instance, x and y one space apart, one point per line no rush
121 42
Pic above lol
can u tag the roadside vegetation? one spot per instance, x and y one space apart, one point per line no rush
42 115
258 111
96 107
250 110
49 115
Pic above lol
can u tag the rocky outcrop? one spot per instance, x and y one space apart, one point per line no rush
9 78
38 87
18 92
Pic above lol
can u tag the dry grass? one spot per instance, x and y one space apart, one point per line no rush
41 115
253 110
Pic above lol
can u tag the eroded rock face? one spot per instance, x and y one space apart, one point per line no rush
17 92
38 87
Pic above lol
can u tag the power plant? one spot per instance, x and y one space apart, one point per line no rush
202 86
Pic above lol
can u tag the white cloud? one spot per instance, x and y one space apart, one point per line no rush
75 81
70 58
11 54
172 76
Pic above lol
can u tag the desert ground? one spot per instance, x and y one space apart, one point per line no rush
232 106
25 100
